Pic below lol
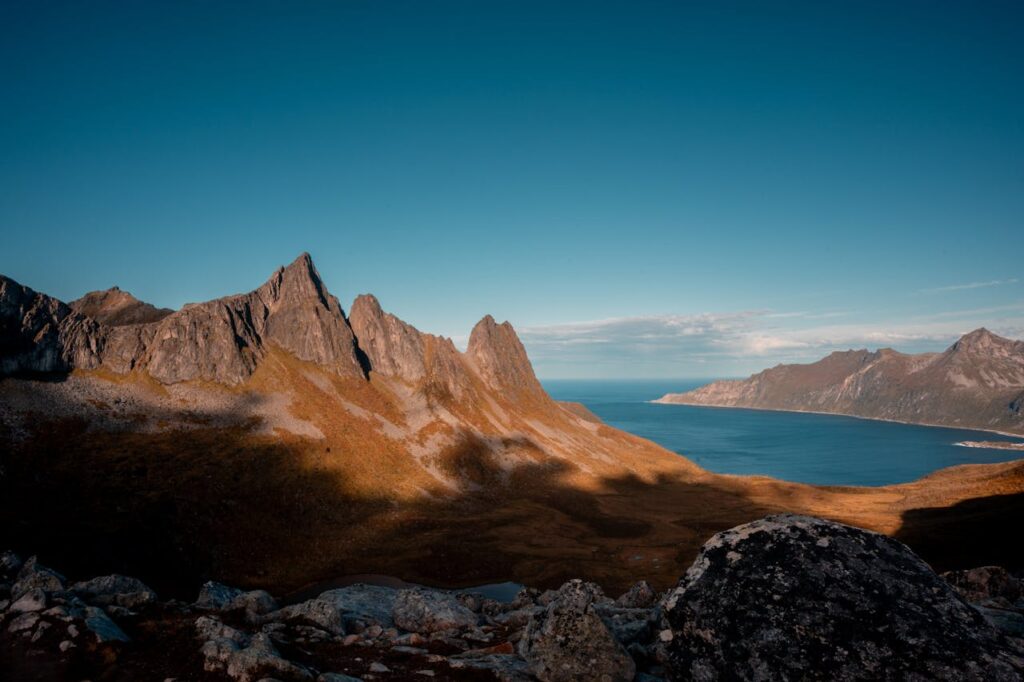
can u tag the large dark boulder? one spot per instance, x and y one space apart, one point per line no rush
794 597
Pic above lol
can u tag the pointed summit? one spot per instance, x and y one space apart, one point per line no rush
979 340
500 358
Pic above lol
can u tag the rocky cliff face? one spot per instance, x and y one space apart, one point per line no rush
500 358
41 335
978 382
222 340
226 339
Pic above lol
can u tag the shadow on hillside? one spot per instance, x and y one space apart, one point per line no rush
215 502
218 502
977 532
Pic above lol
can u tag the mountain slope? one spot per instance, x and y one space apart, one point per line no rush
266 438
978 382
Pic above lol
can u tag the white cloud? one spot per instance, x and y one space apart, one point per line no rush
738 342
970 285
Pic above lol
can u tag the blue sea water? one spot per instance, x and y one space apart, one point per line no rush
810 448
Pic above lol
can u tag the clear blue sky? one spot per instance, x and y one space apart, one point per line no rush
642 188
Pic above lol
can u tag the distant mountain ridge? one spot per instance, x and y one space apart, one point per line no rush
978 382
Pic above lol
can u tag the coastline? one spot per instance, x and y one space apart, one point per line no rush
992 445
1007 434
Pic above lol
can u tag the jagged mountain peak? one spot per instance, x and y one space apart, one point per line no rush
981 339
499 356
297 281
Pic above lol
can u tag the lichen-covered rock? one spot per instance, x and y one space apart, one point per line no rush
794 597
569 642
640 596
422 610
34 575
987 584
336 610
117 590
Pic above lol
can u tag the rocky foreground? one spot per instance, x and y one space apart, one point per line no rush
783 597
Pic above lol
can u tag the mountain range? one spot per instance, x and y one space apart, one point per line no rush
272 438
976 383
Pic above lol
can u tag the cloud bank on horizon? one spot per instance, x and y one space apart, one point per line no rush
739 343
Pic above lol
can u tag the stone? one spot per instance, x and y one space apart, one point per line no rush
796 597
569 642
214 596
985 585
639 596
115 590
333 609
504 667
255 660
33 600
25 621
337 677
377 667
33 575
100 624
425 611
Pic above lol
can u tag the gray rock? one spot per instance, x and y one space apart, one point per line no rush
33 575
105 630
33 600
25 621
504 667
337 677
627 625
639 596
568 641
377 667
985 585
794 597
115 590
1007 621
425 611
215 596
334 609
260 657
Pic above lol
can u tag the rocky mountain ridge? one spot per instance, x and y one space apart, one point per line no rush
978 382
225 339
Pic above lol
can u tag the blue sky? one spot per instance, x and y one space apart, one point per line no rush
645 189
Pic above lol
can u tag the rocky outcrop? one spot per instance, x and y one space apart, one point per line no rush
786 597
221 341
394 348
799 597
116 308
500 359
568 641
41 335
224 340
975 383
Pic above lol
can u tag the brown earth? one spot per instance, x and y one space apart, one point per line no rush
177 505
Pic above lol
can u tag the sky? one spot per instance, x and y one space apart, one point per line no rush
644 189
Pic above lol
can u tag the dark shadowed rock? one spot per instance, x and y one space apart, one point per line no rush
41 335
640 596
115 308
118 590
987 584
568 641
32 575
798 597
